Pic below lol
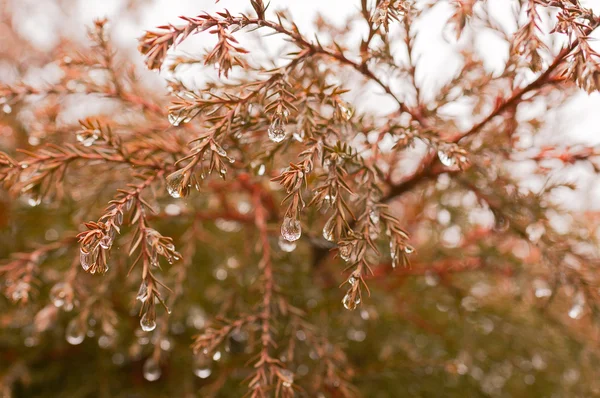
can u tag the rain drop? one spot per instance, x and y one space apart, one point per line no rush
445 159
148 321
345 252
287 377
151 370
202 366
177 184
286 245
276 130
291 229
328 229
576 311
88 137
58 294
75 333
346 110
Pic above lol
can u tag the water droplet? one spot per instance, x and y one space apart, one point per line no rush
178 117
345 252
576 311
328 229
542 289
6 108
34 200
106 242
445 159
291 229
142 294
202 373
286 245
202 366
261 170
88 137
352 280
216 356
374 216
287 377
148 321
59 293
75 333
151 370
299 135
346 110
177 184
276 130
409 249
87 258
350 304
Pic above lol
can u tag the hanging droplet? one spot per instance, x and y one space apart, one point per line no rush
542 289
286 245
346 110
148 321
352 280
329 228
409 249
177 184
299 135
34 200
106 242
151 370
58 294
291 229
75 333
87 258
576 311
217 356
374 216
348 303
445 159
202 366
287 377
276 130
261 170
345 252
88 137
142 294
177 117
223 172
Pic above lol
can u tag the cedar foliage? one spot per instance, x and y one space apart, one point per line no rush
192 244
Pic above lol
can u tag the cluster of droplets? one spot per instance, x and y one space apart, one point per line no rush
87 137
158 245
97 245
276 130
291 230
398 251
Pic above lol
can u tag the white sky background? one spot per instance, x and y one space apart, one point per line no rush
578 122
